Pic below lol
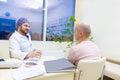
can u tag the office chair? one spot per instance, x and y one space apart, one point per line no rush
90 69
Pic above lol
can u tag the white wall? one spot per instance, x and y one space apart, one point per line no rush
104 18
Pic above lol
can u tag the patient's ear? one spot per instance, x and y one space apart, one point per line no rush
80 33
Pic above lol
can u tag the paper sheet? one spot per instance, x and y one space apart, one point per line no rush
29 71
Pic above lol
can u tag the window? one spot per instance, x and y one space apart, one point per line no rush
48 18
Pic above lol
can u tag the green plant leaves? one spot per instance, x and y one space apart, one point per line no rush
72 19
68 31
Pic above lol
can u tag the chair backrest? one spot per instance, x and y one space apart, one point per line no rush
90 69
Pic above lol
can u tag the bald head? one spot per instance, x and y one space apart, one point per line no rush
84 28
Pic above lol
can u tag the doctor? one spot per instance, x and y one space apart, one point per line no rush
20 44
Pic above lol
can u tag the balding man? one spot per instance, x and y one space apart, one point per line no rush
20 44
86 49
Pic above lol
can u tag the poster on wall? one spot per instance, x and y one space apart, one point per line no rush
7 27
30 9
59 12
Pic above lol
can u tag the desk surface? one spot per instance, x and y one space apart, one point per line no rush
7 74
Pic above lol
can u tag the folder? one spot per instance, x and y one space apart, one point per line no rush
59 65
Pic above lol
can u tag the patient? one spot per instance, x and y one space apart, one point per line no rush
86 49
20 44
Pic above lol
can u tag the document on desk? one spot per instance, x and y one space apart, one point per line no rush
29 70
59 65
24 73
36 61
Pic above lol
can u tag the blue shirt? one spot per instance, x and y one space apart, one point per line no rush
20 45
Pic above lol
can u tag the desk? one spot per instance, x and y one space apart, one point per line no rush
7 74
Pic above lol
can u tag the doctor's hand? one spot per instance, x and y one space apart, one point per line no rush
35 53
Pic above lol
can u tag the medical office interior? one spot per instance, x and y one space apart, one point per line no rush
49 19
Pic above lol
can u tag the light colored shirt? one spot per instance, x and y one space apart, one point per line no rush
84 50
20 45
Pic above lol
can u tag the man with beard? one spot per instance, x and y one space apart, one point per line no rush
20 44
